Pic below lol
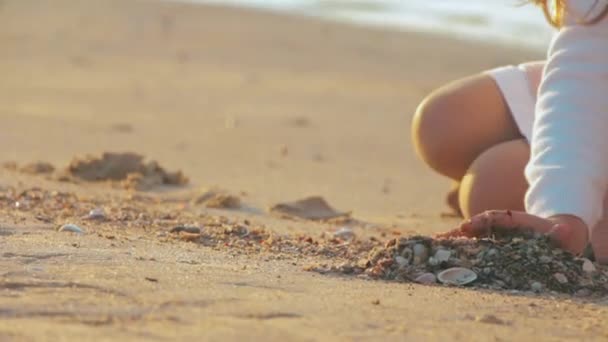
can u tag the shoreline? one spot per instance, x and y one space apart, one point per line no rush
470 34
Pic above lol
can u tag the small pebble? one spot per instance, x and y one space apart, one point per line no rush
401 261
407 253
346 268
344 234
426 278
560 278
72 228
96 214
490 319
421 253
22 205
582 293
536 286
442 255
284 151
588 266
185 229
545 259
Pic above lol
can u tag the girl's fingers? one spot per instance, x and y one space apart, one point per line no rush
562 235
488 222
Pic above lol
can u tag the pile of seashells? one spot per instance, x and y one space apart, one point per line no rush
522 263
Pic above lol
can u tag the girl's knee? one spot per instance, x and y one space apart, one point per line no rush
454 124
432 132
495 180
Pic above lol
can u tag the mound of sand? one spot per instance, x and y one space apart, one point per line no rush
522 263
217 199
128 169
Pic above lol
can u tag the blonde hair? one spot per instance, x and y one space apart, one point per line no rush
555 15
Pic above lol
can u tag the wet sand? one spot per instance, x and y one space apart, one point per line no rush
269 108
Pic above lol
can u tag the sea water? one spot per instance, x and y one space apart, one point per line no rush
503 21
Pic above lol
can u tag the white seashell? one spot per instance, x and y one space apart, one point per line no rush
72 228
457 276
344 234
588 266
426 278
442 255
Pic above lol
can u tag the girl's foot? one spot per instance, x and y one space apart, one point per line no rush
566 232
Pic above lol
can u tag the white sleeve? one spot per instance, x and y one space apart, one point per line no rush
568 169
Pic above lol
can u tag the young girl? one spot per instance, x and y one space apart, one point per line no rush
527 145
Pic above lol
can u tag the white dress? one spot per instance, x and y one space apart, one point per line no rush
561 107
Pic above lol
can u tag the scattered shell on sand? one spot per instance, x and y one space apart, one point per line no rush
22 205
457 276
72 228
97 214
344 234
588 266
190 237
426 278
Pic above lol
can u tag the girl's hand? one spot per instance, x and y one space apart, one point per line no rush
567 232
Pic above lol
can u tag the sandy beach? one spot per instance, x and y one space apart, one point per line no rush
269 108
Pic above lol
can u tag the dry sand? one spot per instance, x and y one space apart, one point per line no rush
271 108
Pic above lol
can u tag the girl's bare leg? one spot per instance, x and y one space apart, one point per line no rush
496 179
458 122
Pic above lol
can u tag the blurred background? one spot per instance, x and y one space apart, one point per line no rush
257 97
510 21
